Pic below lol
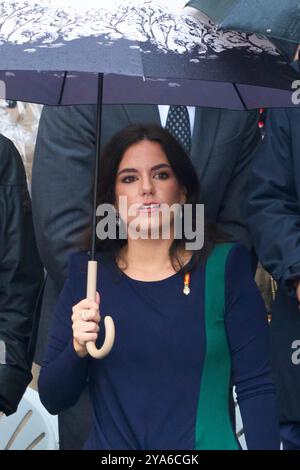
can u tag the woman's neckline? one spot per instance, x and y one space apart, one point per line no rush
141 281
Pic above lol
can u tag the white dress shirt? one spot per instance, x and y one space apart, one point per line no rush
163 114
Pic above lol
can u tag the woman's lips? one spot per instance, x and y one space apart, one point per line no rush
148 208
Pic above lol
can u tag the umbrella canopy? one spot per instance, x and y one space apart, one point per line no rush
148 51
275 18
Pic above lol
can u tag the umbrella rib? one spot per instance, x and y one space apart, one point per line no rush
62 88
240 97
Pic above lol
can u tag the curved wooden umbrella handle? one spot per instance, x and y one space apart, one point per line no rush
108 321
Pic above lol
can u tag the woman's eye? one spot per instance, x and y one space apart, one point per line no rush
128 179
163 175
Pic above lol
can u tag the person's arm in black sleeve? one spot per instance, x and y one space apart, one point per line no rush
231 217
273 207
62 182
248 337
63 374
21 277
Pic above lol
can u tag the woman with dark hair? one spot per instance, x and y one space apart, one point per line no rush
189 320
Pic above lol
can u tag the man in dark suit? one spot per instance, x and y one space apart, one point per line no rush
274 219
223 145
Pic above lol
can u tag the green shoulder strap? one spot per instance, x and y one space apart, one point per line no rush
213 426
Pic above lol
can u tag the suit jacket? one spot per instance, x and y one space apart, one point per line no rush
274 220
223 145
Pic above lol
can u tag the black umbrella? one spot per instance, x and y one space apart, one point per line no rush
274 18
53 50
147 52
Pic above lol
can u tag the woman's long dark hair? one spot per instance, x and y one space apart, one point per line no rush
184 173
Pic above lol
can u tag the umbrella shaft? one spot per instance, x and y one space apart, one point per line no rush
97 160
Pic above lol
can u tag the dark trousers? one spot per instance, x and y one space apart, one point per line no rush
290 436
74 424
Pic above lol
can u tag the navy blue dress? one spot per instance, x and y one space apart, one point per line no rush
146 392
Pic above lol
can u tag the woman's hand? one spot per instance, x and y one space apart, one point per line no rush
85 318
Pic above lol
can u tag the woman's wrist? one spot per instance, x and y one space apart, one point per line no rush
79 349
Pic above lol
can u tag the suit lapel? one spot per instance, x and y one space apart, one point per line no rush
204 135
142 114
